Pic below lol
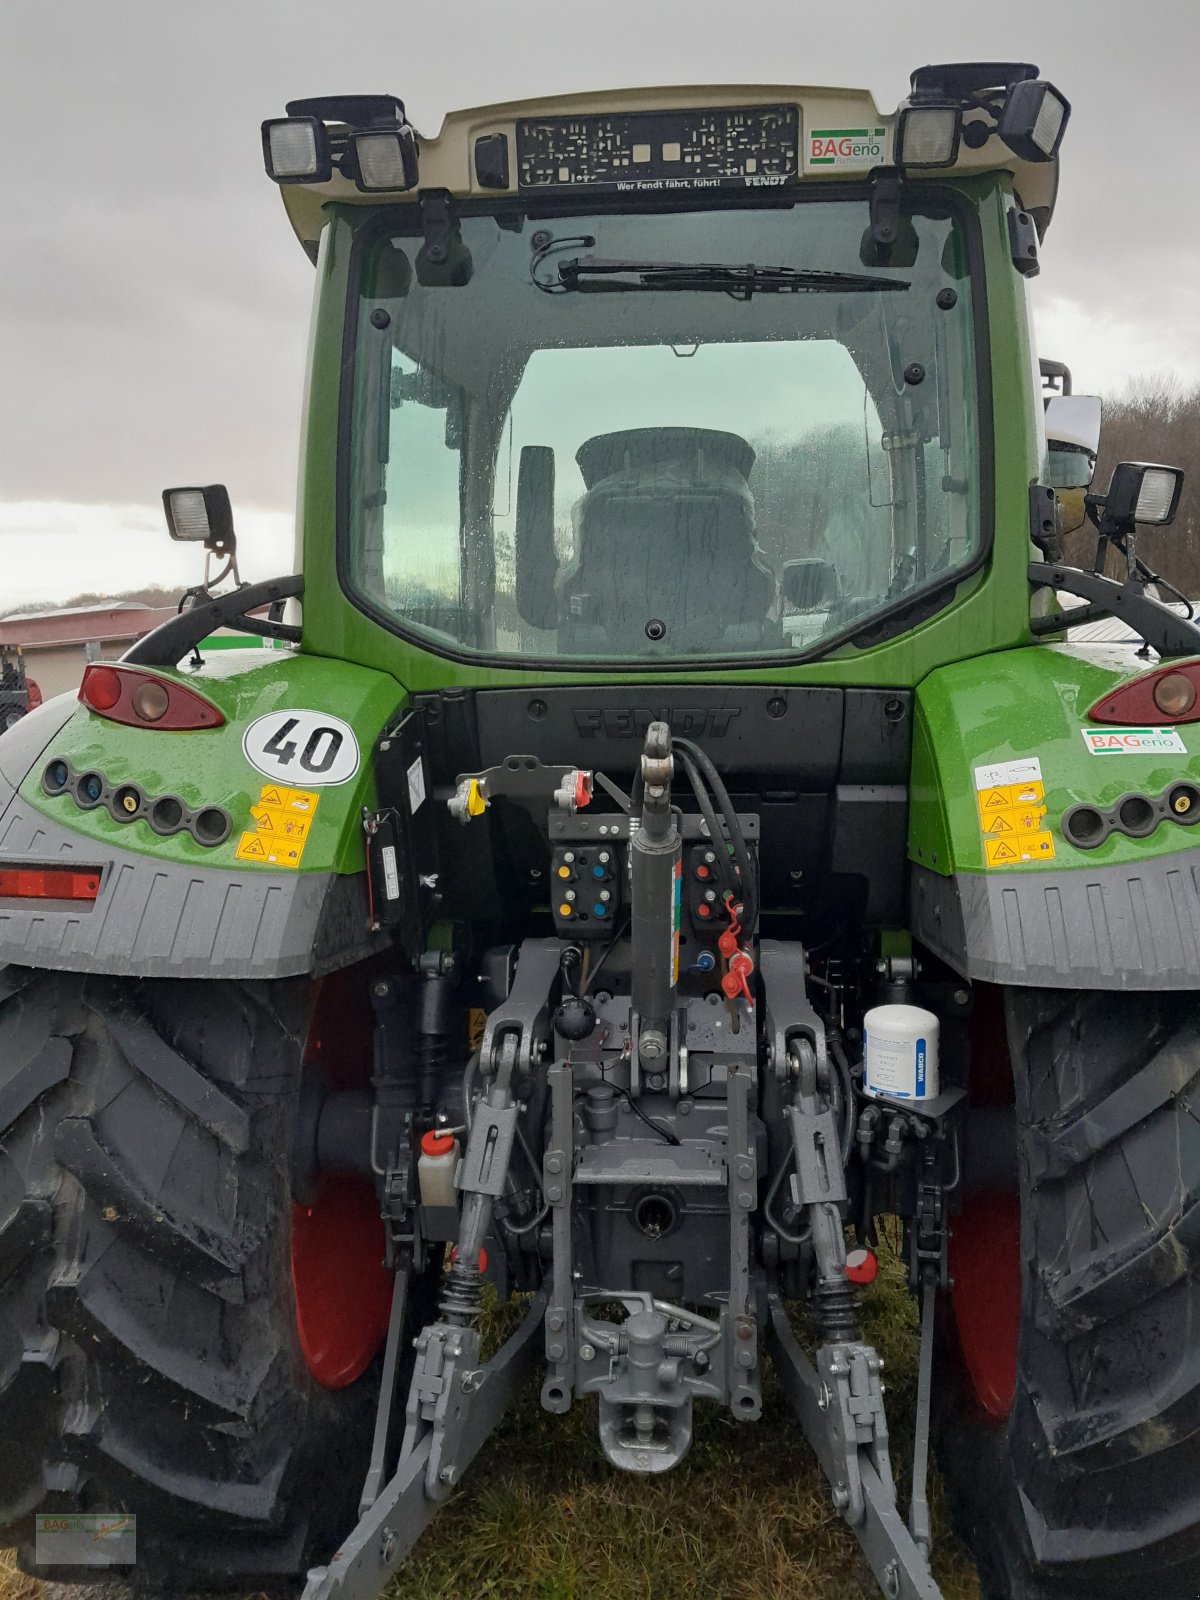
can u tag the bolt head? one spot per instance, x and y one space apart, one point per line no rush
587 1352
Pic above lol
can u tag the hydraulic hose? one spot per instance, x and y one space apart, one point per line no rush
749 885
725 871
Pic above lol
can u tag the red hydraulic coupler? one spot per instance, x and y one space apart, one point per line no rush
740 964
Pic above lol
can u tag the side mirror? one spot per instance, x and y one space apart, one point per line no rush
536 560
1073 438
1141 492
201 516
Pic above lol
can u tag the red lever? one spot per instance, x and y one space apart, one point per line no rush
862 1267
583 789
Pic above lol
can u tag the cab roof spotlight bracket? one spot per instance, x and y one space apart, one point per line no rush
353 110
885 206
968 81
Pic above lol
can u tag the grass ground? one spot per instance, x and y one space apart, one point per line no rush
747 1517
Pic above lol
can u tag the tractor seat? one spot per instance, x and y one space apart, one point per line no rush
666 547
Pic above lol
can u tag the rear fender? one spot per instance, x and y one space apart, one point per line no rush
283 893
998 890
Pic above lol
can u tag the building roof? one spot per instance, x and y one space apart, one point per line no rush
114 620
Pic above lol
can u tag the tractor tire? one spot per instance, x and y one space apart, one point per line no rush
1072 1457
152 1341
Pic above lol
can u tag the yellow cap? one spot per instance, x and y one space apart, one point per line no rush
564 872
564 910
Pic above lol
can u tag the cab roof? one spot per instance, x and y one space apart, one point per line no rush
492 152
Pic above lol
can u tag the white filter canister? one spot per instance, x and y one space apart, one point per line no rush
901 1051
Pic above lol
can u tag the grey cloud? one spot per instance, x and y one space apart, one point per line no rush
154 303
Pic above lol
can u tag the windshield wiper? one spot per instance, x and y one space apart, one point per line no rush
592 275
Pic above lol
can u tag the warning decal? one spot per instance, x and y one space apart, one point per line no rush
282 818
1010 798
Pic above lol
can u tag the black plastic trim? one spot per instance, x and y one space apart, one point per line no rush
167 644
907 612
1131 926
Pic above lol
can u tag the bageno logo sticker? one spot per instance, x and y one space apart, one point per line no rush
1133 741
846 147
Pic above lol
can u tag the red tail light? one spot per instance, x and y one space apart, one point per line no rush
144 700
49 883
1169 694
35 694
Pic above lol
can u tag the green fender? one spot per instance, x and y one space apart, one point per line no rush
248 906
998 890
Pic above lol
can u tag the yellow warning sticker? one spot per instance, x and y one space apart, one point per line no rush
282 819
1010 797
476 1024
1000 852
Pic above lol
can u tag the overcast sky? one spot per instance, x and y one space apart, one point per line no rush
154 302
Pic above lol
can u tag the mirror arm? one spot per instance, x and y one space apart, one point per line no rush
166 645
1149 618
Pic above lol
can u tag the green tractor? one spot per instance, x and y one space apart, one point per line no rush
671 828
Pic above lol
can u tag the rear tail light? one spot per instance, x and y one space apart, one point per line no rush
1170 694
35 694
144 700
49 883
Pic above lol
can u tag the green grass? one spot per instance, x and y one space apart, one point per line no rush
746 1517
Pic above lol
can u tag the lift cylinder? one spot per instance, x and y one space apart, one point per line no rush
655 852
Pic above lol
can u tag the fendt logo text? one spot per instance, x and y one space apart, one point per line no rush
631 722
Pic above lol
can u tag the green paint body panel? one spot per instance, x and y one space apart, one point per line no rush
1032 702
209 767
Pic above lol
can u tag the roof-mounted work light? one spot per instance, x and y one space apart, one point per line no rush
296 150
384 159
928 136
1034 120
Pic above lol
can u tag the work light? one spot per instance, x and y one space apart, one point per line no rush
296 150
1142 492
1034 120
201 516
928 136
384 159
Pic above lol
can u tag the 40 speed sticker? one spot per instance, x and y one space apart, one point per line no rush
303 749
